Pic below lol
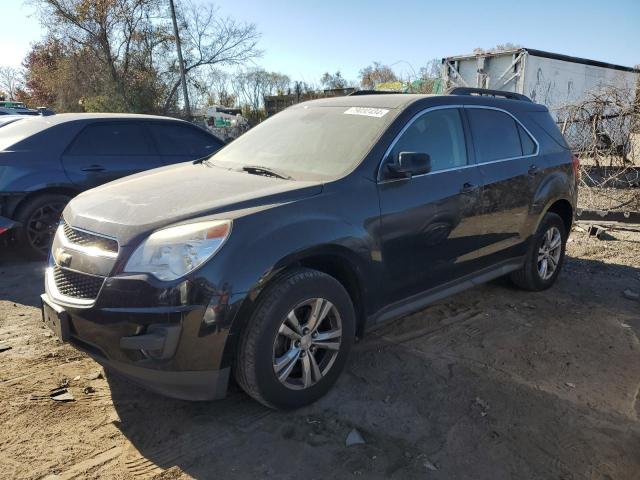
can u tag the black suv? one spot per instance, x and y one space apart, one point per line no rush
45 161
270 257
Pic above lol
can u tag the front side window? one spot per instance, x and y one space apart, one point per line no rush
495 135
439 134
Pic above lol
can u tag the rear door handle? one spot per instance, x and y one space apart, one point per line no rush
468 188
533 170
93 168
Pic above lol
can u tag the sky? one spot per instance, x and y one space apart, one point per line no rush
303 39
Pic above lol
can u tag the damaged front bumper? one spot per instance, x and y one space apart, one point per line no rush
164 351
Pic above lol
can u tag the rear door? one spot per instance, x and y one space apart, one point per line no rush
507 158
429 229
180 142
105 151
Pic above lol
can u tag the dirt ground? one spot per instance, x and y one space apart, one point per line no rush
493 383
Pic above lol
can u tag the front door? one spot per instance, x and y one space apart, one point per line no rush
429 230
105 151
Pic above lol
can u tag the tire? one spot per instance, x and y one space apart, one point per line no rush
530 277
262 343
39 218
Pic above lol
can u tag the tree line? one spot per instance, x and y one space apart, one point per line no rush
120 56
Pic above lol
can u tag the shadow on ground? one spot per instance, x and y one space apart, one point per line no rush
22 280
492 383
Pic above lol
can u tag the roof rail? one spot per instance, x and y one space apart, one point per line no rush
487 92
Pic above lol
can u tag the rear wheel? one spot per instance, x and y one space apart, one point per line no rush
545 256
297 340
39 219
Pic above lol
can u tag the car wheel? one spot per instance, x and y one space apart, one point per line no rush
297 340
545 256
39 219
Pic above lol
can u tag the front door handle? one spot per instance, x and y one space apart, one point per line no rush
533 170
93 168
468 188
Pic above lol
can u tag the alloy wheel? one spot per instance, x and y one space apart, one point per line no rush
42 224
549 253
307 343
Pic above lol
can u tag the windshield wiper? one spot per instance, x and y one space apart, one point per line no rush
258 170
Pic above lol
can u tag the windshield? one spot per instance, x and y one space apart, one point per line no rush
308 142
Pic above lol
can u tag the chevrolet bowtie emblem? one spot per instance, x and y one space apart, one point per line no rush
63 259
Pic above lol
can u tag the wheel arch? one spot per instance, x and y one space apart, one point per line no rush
335 261
58 189
563 208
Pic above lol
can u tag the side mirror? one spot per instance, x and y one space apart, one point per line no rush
410 163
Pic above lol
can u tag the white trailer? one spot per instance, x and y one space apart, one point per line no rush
548 78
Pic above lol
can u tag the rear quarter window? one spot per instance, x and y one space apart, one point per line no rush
179 139
528 145
547 124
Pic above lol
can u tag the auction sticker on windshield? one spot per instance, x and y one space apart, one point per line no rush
367 111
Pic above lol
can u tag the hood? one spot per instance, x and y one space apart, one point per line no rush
150 200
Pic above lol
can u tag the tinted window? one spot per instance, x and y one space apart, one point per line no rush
111 139
439 134
495 135
544 120
174 139
528 146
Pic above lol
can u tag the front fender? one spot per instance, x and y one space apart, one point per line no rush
277 247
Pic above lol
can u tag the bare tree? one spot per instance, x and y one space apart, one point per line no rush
209 86
333 81
209 40
10 81
376 73
131 44
252 85
118 33
600 129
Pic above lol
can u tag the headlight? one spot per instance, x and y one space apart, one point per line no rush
170 253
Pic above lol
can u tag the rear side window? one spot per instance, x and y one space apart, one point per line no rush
495 135
176 139
111 139
438 133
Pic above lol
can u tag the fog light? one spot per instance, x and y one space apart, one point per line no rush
159 342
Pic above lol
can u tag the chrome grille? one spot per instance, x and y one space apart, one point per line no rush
86 239
75 284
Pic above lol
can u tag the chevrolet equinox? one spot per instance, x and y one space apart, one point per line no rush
267 260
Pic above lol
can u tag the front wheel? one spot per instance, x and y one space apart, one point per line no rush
297 341
39 218
545 256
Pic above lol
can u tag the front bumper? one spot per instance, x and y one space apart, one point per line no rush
172 337
183 385
165 350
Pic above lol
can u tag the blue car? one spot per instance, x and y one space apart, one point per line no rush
47 160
